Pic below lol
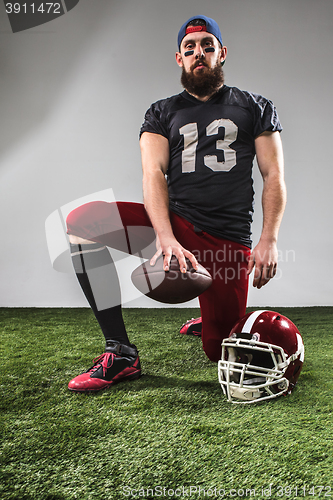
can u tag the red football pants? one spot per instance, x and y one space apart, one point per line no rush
126 226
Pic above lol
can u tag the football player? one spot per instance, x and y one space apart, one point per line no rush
197 152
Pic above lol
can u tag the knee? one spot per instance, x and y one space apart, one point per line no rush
213 333
213 349
78 222
74 227
71 219
74 218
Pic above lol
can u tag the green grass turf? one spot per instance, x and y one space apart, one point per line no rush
170 429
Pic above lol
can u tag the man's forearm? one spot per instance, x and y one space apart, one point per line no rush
156 201
273 203
155 161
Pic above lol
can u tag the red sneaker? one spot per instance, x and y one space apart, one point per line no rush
118 363
192 327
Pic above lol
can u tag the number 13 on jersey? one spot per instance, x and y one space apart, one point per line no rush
190 133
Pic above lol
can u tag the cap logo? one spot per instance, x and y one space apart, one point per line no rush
193 29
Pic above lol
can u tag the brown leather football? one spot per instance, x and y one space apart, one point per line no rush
171 287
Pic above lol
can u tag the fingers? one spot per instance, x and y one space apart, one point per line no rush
180 253
167 258
263 260
263 274
192 259
155 257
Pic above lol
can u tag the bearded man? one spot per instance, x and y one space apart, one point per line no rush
197 152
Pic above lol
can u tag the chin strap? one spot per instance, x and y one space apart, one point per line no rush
245 394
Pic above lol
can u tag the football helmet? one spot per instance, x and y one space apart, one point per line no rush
261 359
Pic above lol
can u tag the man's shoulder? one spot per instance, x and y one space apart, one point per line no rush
243 97
167 102
157 117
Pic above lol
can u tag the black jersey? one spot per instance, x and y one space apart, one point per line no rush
211 156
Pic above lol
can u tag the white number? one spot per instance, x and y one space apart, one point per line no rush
230 135
16 8
190 133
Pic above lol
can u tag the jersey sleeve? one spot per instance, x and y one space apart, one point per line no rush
154 120
266 117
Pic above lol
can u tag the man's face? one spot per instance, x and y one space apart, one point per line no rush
200 50
200 58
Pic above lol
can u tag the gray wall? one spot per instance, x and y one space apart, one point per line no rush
73 95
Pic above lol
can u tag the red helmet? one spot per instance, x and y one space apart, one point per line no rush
261 359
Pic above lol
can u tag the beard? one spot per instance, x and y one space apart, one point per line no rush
205 82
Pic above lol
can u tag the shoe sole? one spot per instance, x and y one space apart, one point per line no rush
131 376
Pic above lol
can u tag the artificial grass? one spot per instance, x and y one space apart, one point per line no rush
170 434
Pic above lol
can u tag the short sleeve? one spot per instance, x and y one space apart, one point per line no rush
154 120
266 117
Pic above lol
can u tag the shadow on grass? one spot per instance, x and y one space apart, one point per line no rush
152 382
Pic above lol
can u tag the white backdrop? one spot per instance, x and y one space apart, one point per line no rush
73 95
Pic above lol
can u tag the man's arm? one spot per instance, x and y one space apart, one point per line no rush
264 256
155 161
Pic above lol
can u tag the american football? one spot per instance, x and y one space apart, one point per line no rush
171 287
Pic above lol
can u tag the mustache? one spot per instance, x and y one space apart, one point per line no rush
199 62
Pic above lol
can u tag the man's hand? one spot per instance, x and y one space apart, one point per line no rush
264 259
170 247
